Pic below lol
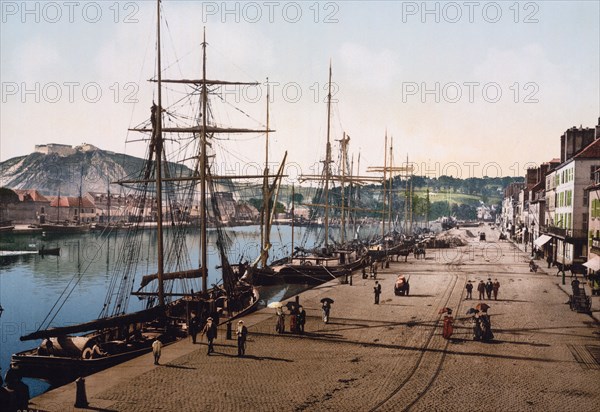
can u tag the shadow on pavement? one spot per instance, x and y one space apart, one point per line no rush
168 365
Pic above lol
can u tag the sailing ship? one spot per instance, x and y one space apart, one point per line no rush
170 295
392 243
318 265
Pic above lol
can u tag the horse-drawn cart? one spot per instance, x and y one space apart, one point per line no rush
579 301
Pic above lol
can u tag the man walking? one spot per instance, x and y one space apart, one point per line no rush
209 330
469 287
242 333
194 326
377 291
496 286
301 319
489 287
156 349
481 290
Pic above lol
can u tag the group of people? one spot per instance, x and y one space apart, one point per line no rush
297 320
15 395
482 326
210 329
485 289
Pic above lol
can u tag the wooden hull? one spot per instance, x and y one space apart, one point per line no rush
59 370
64 229
303 274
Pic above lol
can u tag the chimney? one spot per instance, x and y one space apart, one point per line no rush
562 147
531 178
543 171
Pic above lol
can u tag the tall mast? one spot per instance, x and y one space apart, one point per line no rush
327 161
203 161
58 208
390 197
384 186
293 195
264 227
158 147
409 198
343 221
352 214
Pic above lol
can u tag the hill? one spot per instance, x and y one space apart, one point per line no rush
67 170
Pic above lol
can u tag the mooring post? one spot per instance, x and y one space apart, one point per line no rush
81 397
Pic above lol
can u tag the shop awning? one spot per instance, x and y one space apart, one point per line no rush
542 240
593 263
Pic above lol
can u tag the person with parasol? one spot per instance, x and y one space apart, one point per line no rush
486 324
326 307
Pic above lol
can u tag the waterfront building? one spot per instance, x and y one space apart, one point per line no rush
565 191
593 195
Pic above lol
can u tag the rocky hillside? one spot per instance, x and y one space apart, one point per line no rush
85 166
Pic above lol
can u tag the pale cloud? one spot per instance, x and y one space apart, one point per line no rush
37 58
368 66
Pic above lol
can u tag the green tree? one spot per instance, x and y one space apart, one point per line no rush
297 198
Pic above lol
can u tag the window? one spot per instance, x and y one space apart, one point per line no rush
593 172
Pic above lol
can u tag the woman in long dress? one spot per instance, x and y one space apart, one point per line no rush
448 321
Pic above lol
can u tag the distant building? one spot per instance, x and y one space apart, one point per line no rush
59 149
73 209
32 208
226 205
245 212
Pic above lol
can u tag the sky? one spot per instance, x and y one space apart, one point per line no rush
462 88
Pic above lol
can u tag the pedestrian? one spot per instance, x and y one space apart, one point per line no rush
242 333
486 326
469 287
476 326
377 291
364 273
496 285
194 325
301 319
489 287
326 307
448 321
549 260
481 290
293 319
209 331
156 350
280 326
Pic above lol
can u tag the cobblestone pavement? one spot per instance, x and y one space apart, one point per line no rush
387 357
